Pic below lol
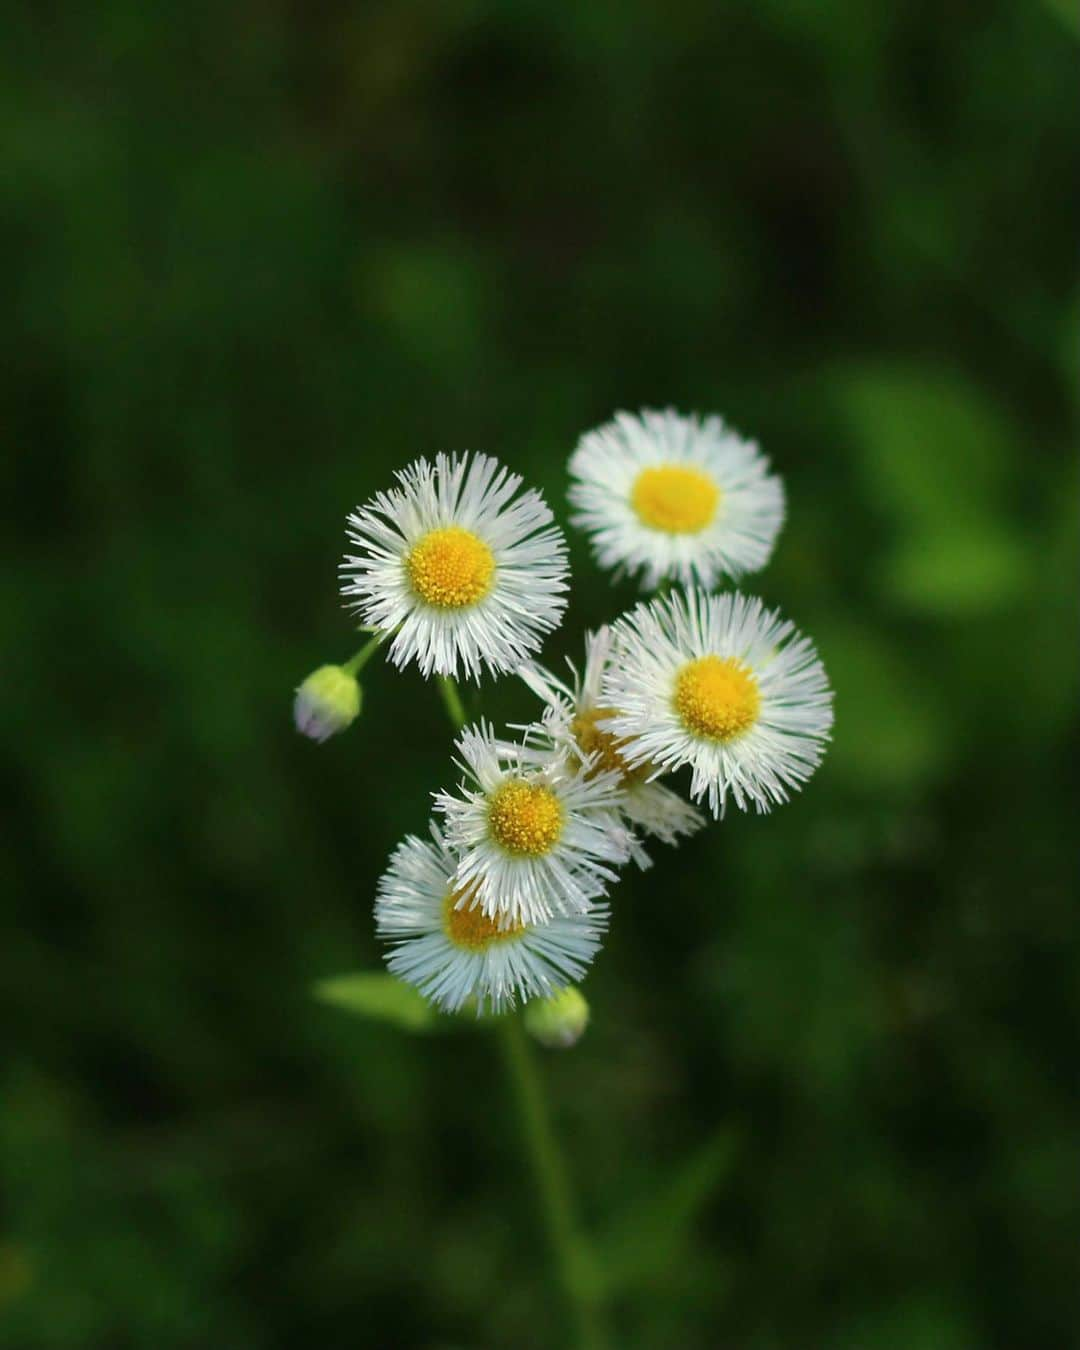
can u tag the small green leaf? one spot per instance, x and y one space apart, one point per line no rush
379 996
654 1237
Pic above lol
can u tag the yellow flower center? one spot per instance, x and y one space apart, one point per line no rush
451 568
675 498
469 927
525 819
593 738
717 697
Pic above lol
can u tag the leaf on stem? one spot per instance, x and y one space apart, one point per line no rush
380 997
654 1236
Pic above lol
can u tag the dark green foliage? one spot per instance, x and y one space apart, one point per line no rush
262 254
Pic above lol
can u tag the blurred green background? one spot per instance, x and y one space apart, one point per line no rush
262 254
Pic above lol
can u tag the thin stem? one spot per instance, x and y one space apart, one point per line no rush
356 663
573 1258
451 697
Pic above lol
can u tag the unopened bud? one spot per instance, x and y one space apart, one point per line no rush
558 1022
327 702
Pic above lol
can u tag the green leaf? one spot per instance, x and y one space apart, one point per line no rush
931 449
970 571
652 1240
379 996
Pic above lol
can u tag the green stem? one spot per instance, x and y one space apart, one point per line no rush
573 1258
451 697
356 663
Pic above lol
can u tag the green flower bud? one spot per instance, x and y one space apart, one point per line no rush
558 1022
327 702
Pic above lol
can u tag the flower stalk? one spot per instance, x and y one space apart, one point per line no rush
356 663
572 1256
570 1251
452 701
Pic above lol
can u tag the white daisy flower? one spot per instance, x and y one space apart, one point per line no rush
460 573
669 496
724 685
577 718
533 839
451 951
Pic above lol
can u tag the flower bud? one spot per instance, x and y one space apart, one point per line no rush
558 1022
327 702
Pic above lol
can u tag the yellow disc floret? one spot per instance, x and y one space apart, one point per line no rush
469 927
525 819
717 697
594 739
675 498
451 568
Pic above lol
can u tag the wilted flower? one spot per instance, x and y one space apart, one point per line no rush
577 717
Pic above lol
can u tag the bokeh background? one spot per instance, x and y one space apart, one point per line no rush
262 254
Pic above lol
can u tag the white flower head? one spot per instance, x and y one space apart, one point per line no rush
461 572
577 719
722 684
533 839
451 951
667 496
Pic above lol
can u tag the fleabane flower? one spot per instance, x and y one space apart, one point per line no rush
533 839
460 569
451 951
667 496
724 685
577 718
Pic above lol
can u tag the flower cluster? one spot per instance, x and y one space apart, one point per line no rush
506 898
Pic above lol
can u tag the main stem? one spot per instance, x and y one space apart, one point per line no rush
573 1257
